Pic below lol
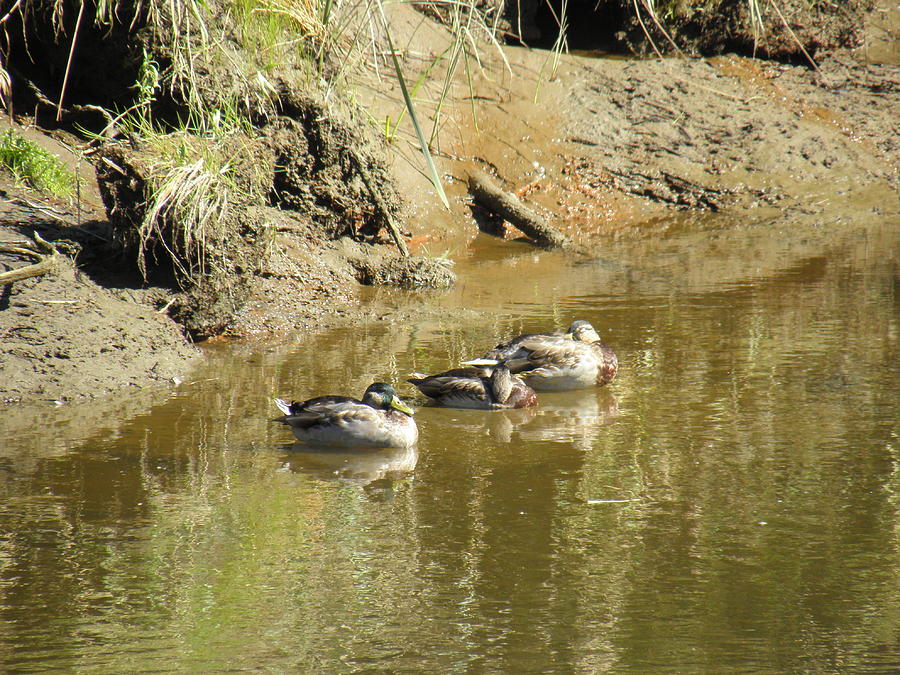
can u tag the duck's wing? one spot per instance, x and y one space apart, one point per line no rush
324 410
506 350
456 383
295 407
547 352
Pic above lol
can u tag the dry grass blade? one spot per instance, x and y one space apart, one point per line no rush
423 143
12 9
756 21
796 39
650 6
302 13
188 205
5 86
62 93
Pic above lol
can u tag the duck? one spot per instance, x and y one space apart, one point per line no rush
576 359
379 420
481 388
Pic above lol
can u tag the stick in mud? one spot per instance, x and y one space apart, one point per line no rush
45 264
509 207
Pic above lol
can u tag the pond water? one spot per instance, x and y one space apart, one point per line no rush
730 503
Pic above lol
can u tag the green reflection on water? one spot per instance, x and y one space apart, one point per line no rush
729 504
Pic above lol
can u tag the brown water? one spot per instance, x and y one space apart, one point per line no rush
731 503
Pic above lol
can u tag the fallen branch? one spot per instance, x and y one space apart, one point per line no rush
509 207
46 260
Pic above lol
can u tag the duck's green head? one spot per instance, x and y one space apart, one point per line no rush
582 331
382 395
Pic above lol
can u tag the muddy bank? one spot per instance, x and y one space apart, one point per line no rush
730 134
91 326
602 148
613 147
63 336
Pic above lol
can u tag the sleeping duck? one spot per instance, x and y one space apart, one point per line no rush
482 388
379 420
557 362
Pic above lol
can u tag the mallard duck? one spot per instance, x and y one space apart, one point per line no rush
379 420
557 362
482 388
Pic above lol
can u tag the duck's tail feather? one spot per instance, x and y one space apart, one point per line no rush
481 362
283 406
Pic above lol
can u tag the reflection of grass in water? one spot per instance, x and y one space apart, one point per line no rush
34 166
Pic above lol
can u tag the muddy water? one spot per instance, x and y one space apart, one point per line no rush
729 504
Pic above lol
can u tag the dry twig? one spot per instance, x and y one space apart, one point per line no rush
42 250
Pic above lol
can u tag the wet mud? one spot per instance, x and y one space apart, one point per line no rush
64 337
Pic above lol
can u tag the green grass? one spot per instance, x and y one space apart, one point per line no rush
35 167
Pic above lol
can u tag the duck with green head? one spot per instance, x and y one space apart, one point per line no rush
575 359
379 420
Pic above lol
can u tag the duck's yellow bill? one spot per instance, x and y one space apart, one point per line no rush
397 404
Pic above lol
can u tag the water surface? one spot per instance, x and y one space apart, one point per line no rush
728 504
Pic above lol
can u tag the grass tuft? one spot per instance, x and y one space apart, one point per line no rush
32 165
193 186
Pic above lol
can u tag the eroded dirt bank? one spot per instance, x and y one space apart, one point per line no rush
605 148
635 143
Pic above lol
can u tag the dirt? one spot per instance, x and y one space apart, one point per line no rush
64 337
605 148
789 30
762 131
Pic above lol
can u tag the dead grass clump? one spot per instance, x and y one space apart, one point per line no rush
194 190
179 205
778 29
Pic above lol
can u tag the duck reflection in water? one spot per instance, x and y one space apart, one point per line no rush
465 425
573 417
377 468
501 426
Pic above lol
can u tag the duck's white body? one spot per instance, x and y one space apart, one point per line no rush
338 421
